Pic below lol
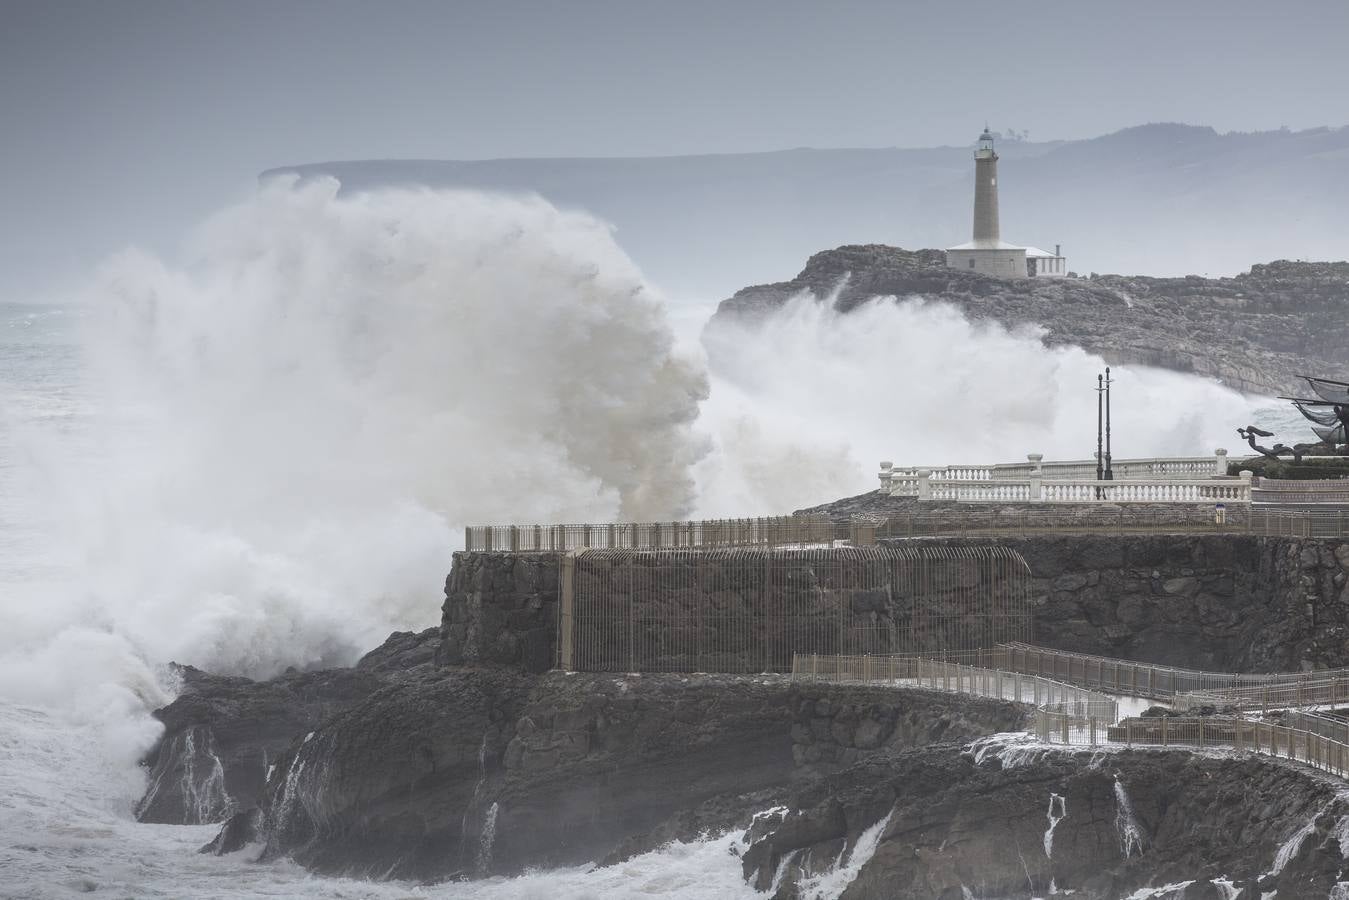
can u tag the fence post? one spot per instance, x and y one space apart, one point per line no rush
566 613
1164 735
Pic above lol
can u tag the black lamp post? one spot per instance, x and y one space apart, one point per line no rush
1109 472
1100 460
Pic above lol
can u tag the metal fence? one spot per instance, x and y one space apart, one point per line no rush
1242 735
1007 521
750 609
772 531
1120 676
1313 689
1184 688
1076 704
1310 522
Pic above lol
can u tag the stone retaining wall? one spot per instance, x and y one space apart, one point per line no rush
1223 602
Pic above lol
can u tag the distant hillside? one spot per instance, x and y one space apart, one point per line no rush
1255 332
1156 200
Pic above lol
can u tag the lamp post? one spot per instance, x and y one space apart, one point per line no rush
1100 460
1109 472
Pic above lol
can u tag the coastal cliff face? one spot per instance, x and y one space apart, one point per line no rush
472 772
445 755
1255 332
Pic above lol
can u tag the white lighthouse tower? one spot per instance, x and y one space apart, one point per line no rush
988 254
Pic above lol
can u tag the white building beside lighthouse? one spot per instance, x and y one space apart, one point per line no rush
988 253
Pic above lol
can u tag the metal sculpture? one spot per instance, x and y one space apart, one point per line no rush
1328 412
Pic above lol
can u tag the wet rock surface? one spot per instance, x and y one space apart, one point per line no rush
1255 332
479 771
223 733
1011 820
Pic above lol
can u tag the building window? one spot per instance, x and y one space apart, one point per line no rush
971 264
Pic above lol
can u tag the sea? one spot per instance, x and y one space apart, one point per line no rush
260 452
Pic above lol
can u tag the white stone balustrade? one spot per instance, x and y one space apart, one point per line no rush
1200 480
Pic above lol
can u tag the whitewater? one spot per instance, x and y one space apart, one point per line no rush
261 452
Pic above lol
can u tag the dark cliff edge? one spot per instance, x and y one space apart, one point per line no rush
1255 332
453 754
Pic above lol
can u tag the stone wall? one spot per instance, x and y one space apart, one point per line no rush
1221 601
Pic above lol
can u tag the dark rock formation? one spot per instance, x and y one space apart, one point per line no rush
223 733
476 771
1255 332
1015 821
404 768
501 609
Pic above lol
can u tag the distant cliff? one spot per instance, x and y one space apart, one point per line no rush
1161 199
1254 332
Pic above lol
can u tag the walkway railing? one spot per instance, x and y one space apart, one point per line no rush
1070 715
1318 750
912 670
1315 689
1135 679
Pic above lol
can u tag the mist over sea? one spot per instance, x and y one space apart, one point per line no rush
261 455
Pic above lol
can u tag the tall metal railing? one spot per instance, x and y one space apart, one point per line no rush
748 609
818 530
1328 522
770 531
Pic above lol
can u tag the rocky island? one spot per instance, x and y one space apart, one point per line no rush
1255 332
457 753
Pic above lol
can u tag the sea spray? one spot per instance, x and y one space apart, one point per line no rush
1289 849
487 839
883 383
1126 823
1058 810
282 432
834 880
205 799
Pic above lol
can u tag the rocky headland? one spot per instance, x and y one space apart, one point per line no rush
455 753
1255 332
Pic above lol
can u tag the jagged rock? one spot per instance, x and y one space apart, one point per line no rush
239 830
1256 332
223 733
1013 824
476 771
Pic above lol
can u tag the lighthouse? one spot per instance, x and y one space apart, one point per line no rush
987 253
986 193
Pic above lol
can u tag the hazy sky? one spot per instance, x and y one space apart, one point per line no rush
125 121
